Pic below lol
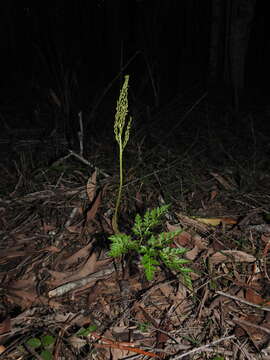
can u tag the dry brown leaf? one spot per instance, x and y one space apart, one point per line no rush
213 195
26 299
5 325
166 289
23 298
217 221
6 255
192 254
74 229
251 325
222 181
231 255
24 284
253 297
119 354
81 253
94 208
184 239
91 186
201 243
85 269
58 277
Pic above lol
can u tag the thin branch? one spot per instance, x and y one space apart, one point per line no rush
243 301
204 347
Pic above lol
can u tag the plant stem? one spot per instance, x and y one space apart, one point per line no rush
115 216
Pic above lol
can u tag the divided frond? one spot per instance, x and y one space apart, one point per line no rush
121 244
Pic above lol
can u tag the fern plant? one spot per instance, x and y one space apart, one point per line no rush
153 249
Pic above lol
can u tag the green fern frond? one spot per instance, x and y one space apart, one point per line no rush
138 226
149 263
152 217
170 257
152 248
165 238
121 244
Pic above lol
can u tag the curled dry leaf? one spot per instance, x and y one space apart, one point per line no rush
231 256
199 245
200 242
183 239
192 254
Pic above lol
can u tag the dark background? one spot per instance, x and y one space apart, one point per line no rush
62 57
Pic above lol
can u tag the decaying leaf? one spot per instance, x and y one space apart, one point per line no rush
231 256
91 186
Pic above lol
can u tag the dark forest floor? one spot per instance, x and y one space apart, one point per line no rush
62 295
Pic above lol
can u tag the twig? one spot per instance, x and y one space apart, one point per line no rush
82 159
243 301
76 284
203 348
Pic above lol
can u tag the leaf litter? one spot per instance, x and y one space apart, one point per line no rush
57 278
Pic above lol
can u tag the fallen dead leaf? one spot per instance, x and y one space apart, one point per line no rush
91 213
222 181
217 221
213 195
5 325
192 254
230 256
74 258
253 297
91 186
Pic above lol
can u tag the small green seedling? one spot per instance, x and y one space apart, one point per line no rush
153 249
144 327
43 346
86 331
